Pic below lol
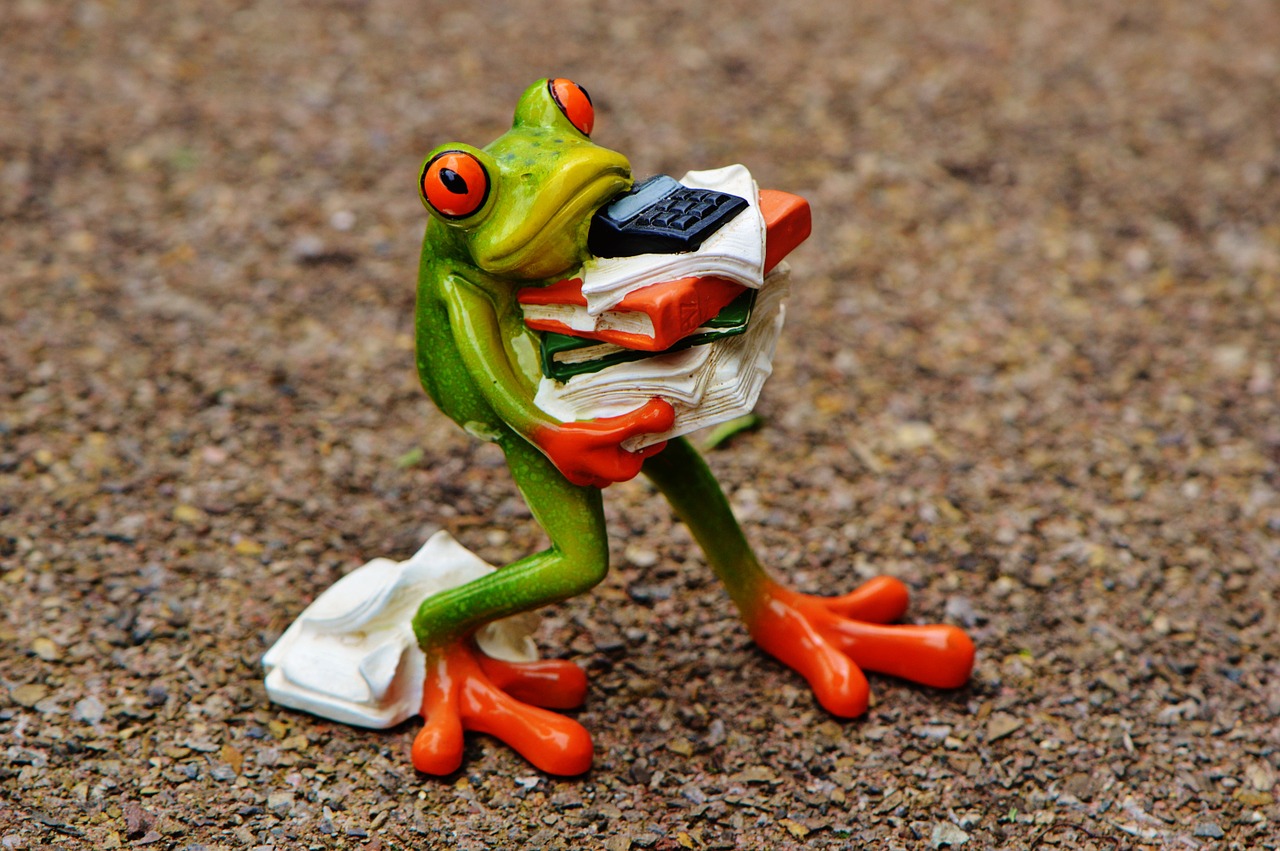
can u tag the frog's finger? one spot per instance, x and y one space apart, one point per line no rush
655 417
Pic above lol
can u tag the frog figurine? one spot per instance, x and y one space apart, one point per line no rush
516 214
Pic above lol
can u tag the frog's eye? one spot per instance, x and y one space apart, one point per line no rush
455 184
574 102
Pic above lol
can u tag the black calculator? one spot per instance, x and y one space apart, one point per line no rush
660 216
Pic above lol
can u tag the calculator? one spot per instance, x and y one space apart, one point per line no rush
660 216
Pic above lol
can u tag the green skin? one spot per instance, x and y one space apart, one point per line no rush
479 363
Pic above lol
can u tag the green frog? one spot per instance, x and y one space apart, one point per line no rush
516 214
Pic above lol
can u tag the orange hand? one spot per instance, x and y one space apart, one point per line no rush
466 690
591 453
829 641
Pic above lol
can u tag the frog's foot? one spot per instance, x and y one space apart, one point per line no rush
467 690
830 639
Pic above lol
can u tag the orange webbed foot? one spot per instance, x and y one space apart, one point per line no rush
467 690
830 640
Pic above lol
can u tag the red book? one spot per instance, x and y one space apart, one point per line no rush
656 317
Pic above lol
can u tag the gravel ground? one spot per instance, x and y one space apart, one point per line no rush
1031 369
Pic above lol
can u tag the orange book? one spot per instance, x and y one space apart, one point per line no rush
656 317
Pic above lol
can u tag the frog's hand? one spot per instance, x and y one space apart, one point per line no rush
591 453
467 690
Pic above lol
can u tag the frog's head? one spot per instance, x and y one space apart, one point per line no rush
521 206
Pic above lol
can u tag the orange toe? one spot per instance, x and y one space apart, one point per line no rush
784 632
466 690
937 655
882 599
830 640
550 683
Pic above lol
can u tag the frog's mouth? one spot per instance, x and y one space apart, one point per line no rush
545 231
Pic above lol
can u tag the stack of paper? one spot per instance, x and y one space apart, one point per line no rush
706 384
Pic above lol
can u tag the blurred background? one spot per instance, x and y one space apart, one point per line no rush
1030 368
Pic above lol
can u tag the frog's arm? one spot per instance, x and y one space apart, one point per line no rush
586 453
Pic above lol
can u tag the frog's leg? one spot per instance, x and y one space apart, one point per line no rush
466 690
827 639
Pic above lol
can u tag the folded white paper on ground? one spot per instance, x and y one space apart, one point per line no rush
351 655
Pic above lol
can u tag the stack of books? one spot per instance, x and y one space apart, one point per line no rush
698 327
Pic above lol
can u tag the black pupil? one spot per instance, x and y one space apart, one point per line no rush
453 181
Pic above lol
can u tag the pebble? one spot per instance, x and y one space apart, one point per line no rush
280 803
1001 724
89 710
29 694
46 649
946 834
1209 830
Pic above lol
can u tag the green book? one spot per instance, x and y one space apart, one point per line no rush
564 356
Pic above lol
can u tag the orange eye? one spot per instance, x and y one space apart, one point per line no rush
455 184
574 102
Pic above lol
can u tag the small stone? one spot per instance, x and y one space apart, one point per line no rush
947 834
914 435
755 774
295 743
233 758
1001 724
188 514
136 820
681 746
246 547
1260 777
89 710
640 556
961 610
932 732
280 803
795 828
29 694
307 247
1254 799
1209 830
46 649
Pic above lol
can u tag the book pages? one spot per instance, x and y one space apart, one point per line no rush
735 252
706 384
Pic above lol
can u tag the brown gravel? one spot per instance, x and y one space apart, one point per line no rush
1031 368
